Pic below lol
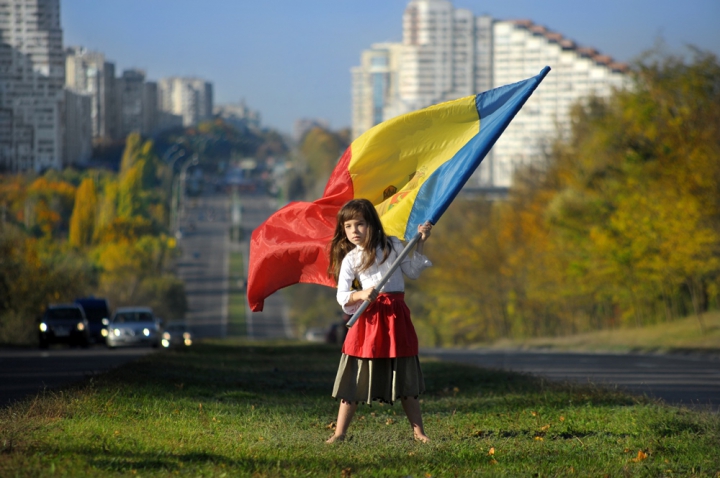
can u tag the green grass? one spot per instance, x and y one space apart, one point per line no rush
236 299
683 335
235 408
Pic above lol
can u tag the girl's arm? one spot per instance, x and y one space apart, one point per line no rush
361 295
424 230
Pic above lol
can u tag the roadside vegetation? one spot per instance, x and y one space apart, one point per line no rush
619 228
234 408
68 234
679 336
313 160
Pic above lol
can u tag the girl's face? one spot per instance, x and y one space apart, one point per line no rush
356 231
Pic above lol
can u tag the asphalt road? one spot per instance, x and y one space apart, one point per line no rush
25 372
692 381
205 242
205 222
273 322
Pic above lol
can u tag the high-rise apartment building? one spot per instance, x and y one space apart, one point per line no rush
448 53
78 127
88 72
375 87
32 76
137 103
151 113
191 98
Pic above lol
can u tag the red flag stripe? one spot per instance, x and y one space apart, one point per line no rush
291 245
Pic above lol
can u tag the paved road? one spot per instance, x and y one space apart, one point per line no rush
206 244
205 223
273 322
684 380
27 372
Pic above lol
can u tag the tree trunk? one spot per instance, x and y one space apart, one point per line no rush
666 303
695 302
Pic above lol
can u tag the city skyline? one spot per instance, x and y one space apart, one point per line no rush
449 53
245 51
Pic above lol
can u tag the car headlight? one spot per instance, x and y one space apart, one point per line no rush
80 326
116 332
104 332
43 327
146 332
186 335
165 343
166 335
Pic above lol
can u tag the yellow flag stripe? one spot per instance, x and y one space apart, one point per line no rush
392 160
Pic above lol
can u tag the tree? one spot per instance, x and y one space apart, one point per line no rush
108 206
321 150
131 154
130 192
48 206
82 221
620 225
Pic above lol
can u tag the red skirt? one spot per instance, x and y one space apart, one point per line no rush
384 330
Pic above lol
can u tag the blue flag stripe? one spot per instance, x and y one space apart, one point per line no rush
496 109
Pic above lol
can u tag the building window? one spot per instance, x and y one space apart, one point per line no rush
379 61
379 86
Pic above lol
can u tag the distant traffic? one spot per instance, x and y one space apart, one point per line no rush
88 321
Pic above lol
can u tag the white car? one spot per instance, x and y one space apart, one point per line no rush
133 326
315 334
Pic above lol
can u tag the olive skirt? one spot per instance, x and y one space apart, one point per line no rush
381 379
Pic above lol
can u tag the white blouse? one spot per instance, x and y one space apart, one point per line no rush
413 264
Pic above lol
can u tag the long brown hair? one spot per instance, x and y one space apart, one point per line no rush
375 237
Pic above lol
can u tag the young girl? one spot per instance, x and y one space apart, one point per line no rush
380 354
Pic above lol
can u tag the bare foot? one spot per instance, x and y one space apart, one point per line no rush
335 439
421 437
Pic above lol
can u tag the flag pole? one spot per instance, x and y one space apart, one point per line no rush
385 278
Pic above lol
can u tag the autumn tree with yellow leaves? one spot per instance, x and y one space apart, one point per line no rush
84 215
620 225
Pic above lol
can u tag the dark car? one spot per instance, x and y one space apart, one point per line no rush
64 323
336 333
177 334
97 313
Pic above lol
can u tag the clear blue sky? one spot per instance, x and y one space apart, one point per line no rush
291 58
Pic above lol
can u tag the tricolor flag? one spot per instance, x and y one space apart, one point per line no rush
410 167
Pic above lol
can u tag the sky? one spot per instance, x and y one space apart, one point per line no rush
291 59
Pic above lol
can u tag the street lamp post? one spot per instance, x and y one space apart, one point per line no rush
174 193
191 161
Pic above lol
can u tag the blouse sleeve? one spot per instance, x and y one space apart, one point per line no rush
414 263
344 290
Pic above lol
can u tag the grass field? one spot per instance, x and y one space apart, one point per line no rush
683 335
236 408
